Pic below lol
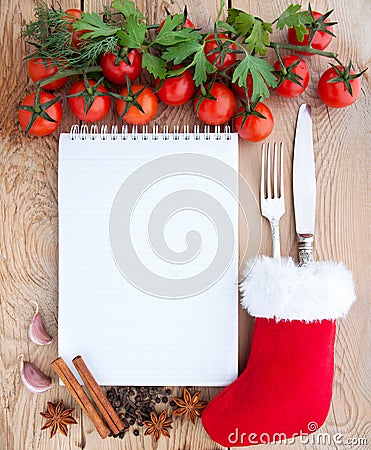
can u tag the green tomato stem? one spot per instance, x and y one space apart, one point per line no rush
68 73
305 48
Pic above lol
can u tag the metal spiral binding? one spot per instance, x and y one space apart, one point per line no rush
83 132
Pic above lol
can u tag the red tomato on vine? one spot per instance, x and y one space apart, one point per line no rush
216 110
321 38
147 101
40 68
77 42
335 93
88 105
116 71
254 128
41 114
296 78
176 91
220 55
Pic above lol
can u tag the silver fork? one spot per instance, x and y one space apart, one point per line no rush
272 207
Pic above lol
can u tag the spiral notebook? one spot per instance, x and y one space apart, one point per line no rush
148 255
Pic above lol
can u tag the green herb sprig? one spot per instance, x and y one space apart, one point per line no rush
123 26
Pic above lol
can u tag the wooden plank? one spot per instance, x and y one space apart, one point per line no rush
341 140
28 246
187 435
28 230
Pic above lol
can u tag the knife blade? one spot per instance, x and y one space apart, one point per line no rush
304 185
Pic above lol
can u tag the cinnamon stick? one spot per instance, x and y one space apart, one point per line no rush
98 396
79 395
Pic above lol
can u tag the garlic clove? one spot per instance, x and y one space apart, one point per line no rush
36 330
32 377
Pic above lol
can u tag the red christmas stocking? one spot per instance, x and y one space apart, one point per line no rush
285 390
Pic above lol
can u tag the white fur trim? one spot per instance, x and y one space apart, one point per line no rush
280 289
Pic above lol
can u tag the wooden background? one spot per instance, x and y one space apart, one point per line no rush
29 231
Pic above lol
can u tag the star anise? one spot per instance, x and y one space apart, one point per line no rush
158 425
57 418
189 405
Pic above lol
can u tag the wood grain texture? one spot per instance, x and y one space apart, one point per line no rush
342 155
29 232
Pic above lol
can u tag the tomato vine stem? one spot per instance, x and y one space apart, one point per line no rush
67 73
306 48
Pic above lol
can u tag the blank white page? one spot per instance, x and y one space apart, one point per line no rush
148 256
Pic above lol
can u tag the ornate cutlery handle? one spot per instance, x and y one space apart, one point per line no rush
276 238
305 246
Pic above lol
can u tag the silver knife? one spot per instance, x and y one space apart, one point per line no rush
304 185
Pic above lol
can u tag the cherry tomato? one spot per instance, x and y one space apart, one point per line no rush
240 91
75 13
77 42
289 88
39 69
41 126
216 112
176 91
99 108
215 58
116 73
255 128
147 100
336 94
187 24
321 39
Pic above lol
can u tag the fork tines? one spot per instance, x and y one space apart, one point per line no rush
267 175
272 207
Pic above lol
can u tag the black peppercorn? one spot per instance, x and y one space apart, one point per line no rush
136 432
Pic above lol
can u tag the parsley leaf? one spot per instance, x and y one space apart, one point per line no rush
259 38
155 65
171 22
170 35
133 33
202 66
127 8
256 31
220 24
261 72
242 22
232 14
95 26
179 52
292 17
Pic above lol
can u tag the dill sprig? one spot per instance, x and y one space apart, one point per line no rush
93 50
48 20
51 34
